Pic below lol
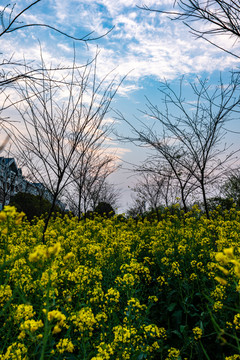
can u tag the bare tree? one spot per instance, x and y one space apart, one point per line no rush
104 192
168 154
191 133
219 17
159 183
150 190
138 208
231 185
89 178
60 123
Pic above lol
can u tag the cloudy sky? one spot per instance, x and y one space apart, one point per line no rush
145 46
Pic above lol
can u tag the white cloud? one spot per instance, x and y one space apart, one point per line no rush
126 89
64 47
146 43
142 43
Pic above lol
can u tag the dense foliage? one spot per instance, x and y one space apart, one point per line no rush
120 289
32 205
104 208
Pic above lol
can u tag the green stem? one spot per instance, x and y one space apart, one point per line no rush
204 351
46 323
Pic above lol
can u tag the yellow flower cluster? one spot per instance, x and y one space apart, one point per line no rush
110 289
5 294
23 312
83 321
236 321
225 258
16 351
29 326
197 332
218 305
124 334
57 317
173 354
41 252
155 332
65 345
112 296
11 213
104 352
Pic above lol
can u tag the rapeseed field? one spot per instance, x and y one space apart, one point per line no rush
117 289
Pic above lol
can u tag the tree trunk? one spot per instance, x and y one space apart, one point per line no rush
56 193
205 199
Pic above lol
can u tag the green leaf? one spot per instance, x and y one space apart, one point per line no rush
172 306
182 328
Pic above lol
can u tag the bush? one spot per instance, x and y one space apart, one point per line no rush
32 205
104 208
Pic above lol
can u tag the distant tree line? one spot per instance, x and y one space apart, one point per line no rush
37 206
150 200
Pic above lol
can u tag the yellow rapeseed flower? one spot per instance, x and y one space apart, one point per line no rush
65 345
3 216
54 250
220 280
173 354
197 332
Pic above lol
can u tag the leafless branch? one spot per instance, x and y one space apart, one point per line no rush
219 17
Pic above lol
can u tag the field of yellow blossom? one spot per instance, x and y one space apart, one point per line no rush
116 289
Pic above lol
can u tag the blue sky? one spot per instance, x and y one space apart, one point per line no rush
145 45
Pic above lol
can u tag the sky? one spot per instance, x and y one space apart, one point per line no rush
145 47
